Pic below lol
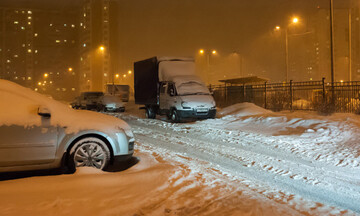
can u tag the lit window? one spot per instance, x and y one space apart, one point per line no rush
57 41
15 56
29 18
65 25
8 61
51 24
29 50
29 12
51 82
65 41
16 78
72 26
23 45
84 45
81 24
72 89
36 34
36 51
105 8
84 14
29 23
105 74
63 89
16 22
29 78
22 27
36 89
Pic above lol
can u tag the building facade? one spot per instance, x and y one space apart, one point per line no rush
39 50
98 40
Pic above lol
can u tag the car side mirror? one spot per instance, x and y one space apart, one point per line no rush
44 112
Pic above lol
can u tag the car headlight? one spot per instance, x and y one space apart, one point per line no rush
127 131
185 105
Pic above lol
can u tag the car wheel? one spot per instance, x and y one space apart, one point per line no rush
150 113
174 116
89 152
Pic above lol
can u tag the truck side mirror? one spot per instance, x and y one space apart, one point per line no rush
172 92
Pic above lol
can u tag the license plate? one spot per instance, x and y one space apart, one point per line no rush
202 110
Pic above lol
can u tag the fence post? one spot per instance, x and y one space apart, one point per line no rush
291 95
323 89
244 93
265 95
226 96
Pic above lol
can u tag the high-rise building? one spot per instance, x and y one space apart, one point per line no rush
39 49
98 39
346 43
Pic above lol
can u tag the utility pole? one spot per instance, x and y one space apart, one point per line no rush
350 45
332 52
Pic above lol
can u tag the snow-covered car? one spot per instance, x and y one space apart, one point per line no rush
40 133
112 103
88 100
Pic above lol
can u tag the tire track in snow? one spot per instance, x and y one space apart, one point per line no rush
290 174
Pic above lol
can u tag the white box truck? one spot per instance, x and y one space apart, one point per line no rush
168 86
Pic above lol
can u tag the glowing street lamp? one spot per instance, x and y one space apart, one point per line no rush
129 72
70 69
277 28
46 75
117 75
295 20
213 52
201 51
101 48
124 75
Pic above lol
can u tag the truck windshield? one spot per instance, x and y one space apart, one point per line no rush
192 88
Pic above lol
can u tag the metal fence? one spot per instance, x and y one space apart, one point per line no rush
312 95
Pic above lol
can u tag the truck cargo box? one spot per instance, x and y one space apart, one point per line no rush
146 80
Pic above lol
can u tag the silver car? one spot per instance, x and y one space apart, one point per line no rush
40 133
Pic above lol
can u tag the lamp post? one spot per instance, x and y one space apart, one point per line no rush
208 54
295 20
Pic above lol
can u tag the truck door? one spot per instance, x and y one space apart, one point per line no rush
170 95
163 95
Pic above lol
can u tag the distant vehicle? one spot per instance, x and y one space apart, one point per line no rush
88 101
40 133
122 91
112 103
169 86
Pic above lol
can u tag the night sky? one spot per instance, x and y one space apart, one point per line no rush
181 27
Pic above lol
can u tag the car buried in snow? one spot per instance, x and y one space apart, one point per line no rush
40 133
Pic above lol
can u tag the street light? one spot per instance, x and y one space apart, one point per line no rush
295 20
46 75
208 54
129 72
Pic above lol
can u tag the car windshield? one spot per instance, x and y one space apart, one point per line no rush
112 99
192 88
93 95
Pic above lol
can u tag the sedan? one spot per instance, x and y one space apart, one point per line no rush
40 133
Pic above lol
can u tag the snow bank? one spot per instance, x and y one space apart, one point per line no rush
19 106
243 109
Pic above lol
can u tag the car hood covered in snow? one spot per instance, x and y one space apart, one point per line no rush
19 106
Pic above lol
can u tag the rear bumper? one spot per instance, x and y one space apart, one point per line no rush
192 114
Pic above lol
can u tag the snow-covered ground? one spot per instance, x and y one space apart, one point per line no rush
248 161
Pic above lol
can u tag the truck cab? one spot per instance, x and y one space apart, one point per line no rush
186 99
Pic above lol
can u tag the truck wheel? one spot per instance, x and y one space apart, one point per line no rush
150 113
175 116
